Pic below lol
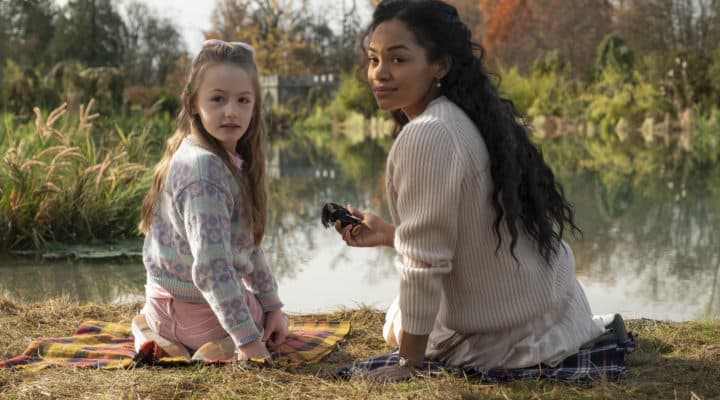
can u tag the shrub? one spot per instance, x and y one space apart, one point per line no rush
706 138
61 186
355 95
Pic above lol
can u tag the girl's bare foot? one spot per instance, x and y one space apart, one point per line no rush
223 349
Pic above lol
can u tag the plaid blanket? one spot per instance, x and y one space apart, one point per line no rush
604 360
108 345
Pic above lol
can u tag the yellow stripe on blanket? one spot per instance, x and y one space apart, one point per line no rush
310 342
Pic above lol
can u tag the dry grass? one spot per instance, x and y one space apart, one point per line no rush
675 361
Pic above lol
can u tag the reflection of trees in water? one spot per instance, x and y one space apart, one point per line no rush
364 163
297 196
295 204
665 234
377 268
713 306
29 280
381 266
612 201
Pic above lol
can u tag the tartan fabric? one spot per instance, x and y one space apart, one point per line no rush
106 345
310 342
94 345
602 361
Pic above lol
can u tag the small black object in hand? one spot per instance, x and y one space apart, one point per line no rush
332 212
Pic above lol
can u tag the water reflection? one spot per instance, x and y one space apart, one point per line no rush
649 247
653 256
32 279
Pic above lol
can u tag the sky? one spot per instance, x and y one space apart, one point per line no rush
192 18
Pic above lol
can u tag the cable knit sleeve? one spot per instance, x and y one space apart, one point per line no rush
205 208
424 184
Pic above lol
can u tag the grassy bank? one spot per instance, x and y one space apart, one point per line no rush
674 361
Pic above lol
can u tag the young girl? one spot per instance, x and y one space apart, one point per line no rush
478 218
209 288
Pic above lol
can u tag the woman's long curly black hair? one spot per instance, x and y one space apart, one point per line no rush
525 187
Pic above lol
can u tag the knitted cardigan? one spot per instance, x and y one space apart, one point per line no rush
200 247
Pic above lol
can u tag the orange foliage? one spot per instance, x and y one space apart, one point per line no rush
506 20
471 15
519 31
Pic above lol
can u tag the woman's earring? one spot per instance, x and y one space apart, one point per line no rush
439 83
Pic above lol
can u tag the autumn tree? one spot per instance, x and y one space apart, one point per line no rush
228 18
471 14
283 33
520 31
469 11
509 36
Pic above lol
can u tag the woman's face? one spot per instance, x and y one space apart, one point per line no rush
398 70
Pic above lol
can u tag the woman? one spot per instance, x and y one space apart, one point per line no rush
478 218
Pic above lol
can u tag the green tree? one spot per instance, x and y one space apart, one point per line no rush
91 32
3 48
555 90
674 41
355 95
613 51
666 26
26 28
715 74
344 55
152 45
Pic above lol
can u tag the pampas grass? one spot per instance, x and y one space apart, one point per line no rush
57 185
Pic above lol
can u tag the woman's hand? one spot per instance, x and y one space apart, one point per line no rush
412 353
254 350
374 231
276 328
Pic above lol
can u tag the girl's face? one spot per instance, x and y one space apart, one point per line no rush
225 100
398 70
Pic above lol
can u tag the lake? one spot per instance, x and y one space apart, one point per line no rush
650 247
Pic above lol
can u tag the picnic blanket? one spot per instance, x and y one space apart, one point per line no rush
107 345
604 360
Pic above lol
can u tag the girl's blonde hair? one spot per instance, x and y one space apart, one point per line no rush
252 180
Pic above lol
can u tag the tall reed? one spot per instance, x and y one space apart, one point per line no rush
58 185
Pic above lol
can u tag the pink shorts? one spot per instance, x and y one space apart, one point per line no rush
192 324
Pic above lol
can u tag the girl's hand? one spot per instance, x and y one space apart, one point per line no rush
255 350
276 328
374 231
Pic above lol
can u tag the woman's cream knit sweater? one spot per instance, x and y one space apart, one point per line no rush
439 190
